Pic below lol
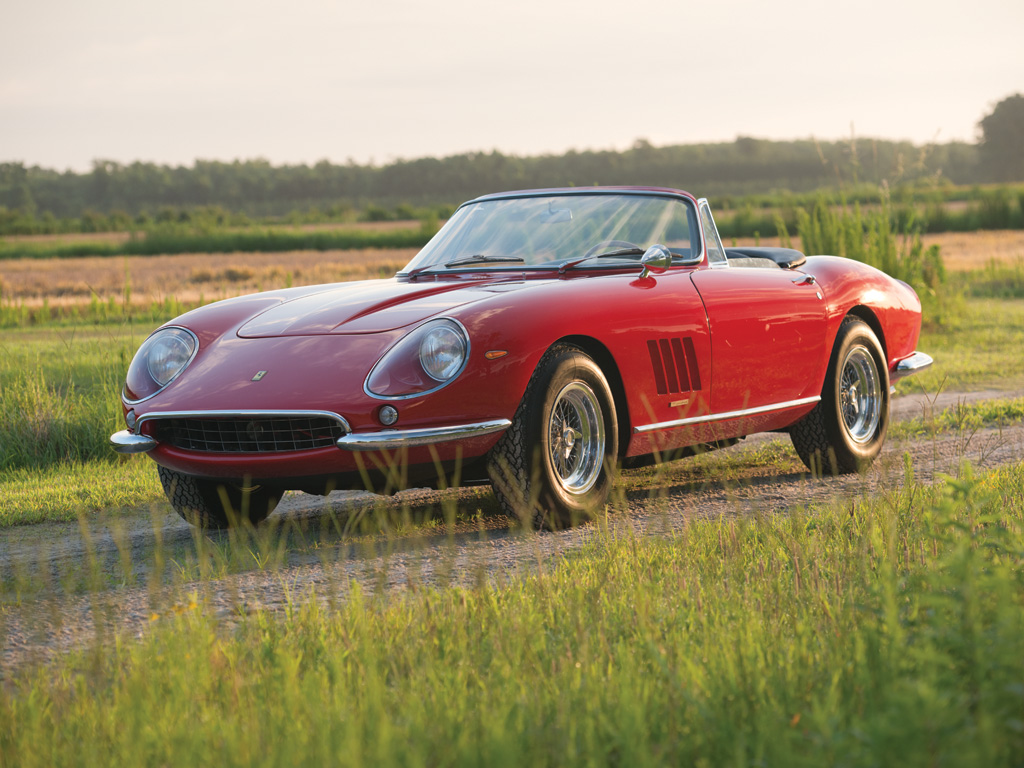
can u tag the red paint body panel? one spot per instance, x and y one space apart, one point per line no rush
852 286
691 342
766 329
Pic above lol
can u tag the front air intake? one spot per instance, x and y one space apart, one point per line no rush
250 434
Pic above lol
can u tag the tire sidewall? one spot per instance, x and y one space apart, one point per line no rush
853 334
199 500
554 375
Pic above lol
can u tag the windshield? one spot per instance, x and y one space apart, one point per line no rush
554 230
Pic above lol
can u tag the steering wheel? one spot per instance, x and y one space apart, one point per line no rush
608 244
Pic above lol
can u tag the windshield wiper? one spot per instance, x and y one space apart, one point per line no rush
607 255
484 259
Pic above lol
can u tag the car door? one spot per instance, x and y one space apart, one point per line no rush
767 329
767 336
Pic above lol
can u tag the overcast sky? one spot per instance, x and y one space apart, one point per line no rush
305 80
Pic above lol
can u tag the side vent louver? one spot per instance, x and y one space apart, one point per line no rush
675 365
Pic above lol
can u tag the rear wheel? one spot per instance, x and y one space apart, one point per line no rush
209 503
845 431
556 464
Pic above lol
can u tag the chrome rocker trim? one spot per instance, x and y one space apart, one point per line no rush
128 442
727 415
391 439
916 363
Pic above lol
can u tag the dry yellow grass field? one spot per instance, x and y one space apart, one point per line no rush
961 251
195 276
187 277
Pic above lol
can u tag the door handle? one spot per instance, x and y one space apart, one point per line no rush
804 280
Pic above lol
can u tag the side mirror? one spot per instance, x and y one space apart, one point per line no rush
656 259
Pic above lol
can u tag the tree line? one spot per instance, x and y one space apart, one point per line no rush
745 166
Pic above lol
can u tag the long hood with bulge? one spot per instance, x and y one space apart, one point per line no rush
367 307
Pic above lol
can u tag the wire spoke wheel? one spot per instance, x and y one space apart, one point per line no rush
846 429
860 395
576 437
555 465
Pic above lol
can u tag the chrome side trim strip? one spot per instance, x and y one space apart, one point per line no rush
916 363
390 439
125 442
727 415
243 414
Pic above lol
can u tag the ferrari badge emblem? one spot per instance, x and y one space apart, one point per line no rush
259 375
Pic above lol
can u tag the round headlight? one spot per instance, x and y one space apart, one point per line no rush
160 359
168 355
442 352
424 360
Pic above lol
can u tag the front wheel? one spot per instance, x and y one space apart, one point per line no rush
845 431
556 464
209 503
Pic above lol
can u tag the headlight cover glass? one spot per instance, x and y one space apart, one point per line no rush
423 361
161 359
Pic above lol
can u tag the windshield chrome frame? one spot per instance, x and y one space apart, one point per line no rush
677 261
703 204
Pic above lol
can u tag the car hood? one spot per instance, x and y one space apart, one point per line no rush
370 306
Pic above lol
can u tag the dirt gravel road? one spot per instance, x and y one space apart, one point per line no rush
64 585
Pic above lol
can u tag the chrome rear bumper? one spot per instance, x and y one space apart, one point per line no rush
916 363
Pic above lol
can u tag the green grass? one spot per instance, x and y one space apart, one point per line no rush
880 630
877 631
66 491
994 280
176 240
963 418
59 393
977 346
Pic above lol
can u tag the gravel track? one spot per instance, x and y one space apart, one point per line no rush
64 586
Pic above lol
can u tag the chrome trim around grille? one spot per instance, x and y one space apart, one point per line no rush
727 415
125 442
128 442
390 439
255 414
916 363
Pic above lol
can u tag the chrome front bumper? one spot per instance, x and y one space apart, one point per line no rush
386 440
391 439
916 363
126 442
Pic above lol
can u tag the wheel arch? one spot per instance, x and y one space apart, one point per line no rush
866 314
606 362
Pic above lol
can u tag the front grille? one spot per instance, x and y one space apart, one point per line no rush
260 434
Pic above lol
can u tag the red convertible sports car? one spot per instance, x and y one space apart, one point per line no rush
539 341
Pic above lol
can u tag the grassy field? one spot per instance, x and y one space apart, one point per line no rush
884 629
39 291
961 251
187 277
887 630
182 240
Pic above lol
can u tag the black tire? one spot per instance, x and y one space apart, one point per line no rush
208 503
845 431
551 468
